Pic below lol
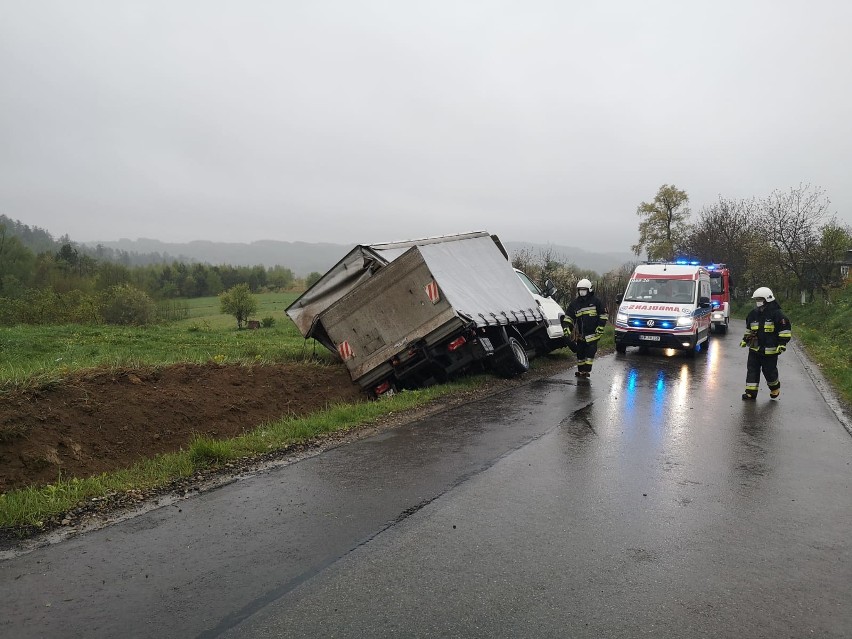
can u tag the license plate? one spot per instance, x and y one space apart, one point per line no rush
650 338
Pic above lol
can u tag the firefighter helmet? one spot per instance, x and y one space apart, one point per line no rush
584 283
765 292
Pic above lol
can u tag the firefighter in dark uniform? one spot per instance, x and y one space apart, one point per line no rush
583 325
767 332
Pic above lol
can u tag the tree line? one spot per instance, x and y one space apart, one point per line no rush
69 284
787 240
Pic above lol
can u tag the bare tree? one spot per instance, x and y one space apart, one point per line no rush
821 263
548 265
727 233
611 284
790 223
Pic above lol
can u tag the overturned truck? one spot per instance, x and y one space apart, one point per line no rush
409 314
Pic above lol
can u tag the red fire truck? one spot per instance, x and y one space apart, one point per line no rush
720 288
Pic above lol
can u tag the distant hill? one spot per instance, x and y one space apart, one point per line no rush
300 257
304 257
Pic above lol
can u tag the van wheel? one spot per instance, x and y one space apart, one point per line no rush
700 347
514 361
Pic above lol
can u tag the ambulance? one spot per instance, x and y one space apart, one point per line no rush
665 305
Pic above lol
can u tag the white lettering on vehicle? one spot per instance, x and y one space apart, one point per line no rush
656 307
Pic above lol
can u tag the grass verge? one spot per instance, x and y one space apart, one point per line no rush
824 330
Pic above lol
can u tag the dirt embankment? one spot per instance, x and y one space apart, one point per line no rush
104 420
99 420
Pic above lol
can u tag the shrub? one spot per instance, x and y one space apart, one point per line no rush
127 305
267 322
44 306
239 302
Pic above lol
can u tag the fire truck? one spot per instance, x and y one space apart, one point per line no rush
720 289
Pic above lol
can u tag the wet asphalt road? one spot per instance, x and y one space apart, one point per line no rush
651 502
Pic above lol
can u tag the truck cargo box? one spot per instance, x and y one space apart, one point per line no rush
380 300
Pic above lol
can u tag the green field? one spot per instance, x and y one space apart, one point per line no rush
39 353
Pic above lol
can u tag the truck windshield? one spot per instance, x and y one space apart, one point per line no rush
716 284
528 283
661 290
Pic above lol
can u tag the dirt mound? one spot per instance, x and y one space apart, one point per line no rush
103 420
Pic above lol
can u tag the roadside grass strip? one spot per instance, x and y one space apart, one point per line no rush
32 507
824 331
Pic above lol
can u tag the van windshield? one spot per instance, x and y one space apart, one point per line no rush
661 290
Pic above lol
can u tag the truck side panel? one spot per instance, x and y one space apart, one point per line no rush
383 315
480 283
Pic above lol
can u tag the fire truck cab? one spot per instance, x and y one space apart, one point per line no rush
720 287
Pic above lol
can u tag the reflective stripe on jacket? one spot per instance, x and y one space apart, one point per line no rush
768 329
584 316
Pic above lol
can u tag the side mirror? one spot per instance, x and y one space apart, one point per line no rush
549 289
619 298
704 302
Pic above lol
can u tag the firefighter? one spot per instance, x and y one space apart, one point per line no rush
767 332
583 325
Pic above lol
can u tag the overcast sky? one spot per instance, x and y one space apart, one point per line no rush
363 121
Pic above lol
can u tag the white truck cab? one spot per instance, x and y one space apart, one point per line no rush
666 305
550 309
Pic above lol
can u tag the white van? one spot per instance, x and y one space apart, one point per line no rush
666 305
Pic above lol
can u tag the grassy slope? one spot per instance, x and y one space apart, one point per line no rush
825 332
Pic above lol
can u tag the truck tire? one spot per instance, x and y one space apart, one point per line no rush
514 361
722 328
620 348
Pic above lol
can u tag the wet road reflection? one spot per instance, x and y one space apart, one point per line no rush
654 502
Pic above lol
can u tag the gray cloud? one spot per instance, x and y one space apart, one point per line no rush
368 120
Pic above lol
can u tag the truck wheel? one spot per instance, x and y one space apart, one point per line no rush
722 328
515 360
620 348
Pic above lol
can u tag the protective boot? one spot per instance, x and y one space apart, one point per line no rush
749 396
775 390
